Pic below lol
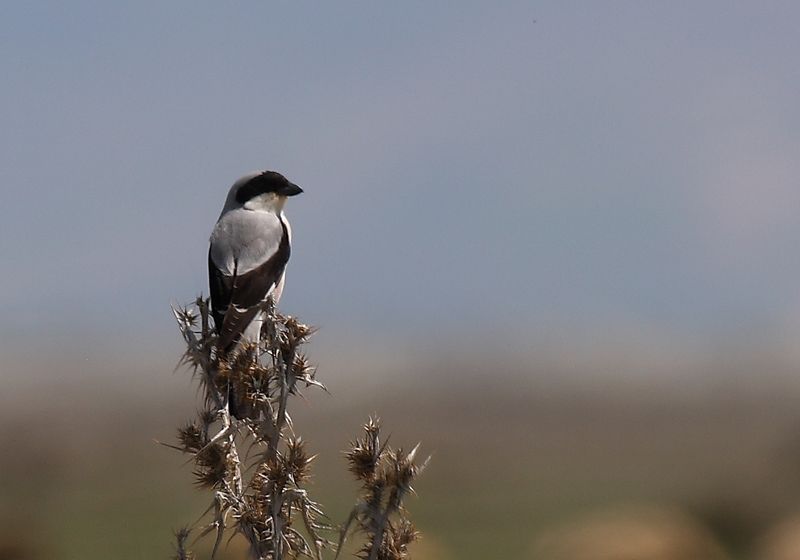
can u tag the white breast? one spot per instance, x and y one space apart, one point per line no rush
243 239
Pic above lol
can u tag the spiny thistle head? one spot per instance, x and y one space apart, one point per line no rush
303 368
297 462
394 542
292 467
193 436
211 466
273 473
292 334
386 475
186 317
236 364
401 472
365 453
298 331
403 534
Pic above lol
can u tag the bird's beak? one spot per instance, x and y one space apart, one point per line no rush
290 190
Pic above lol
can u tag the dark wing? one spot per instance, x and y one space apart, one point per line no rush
220 285
235 299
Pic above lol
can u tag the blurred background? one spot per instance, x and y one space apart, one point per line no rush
554 241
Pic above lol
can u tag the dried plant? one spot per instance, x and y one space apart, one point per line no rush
386 476
260 494
263 498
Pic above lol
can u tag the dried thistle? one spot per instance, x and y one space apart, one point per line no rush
386 476
365 453
267 502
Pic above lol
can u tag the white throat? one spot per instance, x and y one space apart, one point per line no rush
267 202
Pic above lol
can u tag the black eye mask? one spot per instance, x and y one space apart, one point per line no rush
267 182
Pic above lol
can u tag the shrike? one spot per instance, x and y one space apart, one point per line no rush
250 246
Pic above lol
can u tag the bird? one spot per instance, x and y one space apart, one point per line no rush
249 248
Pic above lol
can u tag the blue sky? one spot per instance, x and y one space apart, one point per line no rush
488 167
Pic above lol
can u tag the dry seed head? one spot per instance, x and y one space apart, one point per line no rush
365 453
297 330
301 365
287 344
403 470
403 534
363 460
273 472
256 514
186 317
395 541
372 430
192 438
303 369
296 461
211 466
238 362
255 382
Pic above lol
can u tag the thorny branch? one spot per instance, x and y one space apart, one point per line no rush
266 502
386 476
261 502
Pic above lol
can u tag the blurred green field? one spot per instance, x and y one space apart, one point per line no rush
515 460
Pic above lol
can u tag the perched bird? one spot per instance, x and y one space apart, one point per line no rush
250 246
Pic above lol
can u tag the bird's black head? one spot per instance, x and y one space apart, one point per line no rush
266 182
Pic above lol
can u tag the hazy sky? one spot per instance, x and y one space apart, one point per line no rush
491 165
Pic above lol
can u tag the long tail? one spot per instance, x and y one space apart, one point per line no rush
237 406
